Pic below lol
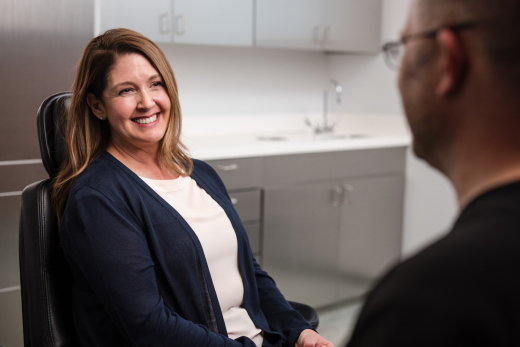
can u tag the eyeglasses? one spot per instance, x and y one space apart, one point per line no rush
394 50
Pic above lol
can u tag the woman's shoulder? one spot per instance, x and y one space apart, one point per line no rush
102 175
205 170
202 166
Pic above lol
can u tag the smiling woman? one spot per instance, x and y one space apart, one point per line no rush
136 105
158 252
122 72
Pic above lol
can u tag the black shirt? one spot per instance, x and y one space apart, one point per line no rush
463 290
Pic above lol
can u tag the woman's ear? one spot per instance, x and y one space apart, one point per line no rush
96 106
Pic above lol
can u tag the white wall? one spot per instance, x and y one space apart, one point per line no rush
241 81
225 80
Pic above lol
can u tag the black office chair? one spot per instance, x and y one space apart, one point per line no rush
45 276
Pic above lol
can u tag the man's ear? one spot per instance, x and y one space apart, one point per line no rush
453 63
96 106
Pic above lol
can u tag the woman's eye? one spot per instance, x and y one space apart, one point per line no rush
157 84
124 91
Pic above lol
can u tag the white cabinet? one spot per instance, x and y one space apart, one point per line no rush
330 25
301 242
289 24
203 22
352 25
332 221
214 22
370 231
150 18
321 25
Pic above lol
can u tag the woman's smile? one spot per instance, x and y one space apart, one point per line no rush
148 120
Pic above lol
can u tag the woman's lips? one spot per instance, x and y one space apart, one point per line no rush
146 120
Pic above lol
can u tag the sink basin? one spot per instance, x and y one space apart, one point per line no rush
298 137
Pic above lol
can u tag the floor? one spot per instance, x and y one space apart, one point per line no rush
336 323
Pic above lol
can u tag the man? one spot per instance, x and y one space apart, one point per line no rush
460 85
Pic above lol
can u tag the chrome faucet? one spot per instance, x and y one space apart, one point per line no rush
327 125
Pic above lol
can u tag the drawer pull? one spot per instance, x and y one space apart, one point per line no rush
336 196
229 167
234 201
347 194
164 23
181 24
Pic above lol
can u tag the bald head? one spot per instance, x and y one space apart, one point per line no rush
498 30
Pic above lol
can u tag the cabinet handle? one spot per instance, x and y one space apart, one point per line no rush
347 194
180 24
336 195
318 33
330 34
229 167
234 201
164 23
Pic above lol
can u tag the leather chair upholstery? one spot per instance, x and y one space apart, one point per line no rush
45 276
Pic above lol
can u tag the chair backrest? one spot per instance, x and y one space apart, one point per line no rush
45 276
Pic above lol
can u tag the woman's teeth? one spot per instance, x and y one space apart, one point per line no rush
146 120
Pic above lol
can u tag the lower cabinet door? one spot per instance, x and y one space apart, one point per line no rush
370 233
300 245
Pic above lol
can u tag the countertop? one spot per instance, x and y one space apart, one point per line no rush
230 137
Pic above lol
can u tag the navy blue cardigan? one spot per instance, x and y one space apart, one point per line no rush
140 275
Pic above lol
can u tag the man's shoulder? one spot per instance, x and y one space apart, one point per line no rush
466 264
469 278
464 255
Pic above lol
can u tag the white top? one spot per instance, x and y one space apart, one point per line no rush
218 239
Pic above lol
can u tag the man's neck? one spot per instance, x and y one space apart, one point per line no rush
482 167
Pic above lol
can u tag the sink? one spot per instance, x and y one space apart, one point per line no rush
298 137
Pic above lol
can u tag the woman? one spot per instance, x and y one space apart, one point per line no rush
159 255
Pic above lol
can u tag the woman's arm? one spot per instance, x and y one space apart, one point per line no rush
108 246
280 314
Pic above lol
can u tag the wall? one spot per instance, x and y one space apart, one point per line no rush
227 80
371 87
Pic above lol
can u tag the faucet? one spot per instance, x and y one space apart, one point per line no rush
326 125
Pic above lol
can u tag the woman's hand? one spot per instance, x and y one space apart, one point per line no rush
310 338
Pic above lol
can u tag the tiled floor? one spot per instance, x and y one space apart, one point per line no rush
336 323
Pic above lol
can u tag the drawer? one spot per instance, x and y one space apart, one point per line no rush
253 232
239 173
298 168
247 204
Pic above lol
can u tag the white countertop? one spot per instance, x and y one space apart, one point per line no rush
228 137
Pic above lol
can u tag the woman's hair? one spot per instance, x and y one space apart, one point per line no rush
87 137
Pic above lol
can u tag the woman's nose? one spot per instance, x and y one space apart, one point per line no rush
146 101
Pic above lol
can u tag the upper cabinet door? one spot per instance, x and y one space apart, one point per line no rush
352 25
294 24
150 18
213 22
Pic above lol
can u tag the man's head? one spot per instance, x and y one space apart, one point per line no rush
442 75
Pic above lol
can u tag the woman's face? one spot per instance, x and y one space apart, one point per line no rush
135 103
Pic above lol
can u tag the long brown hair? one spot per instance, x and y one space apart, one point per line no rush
87 137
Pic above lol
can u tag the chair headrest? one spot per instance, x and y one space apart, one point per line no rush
50 130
